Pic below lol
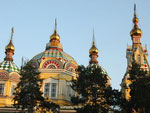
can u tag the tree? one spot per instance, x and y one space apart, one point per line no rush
115 100
28 95
93 90
140 89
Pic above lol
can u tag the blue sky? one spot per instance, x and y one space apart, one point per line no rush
33 22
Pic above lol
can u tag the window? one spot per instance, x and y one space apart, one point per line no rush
51 67
68 92
53 90
1 89
50 90
46 89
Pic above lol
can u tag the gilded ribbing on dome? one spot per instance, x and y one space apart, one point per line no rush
136 30
55 35
10 46
93 49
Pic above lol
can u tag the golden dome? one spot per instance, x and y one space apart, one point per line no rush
136 31
10 46
93 50
55 36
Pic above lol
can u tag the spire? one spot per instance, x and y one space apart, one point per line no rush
9 49
93 51
55 24
136 32
134 9
93 38
12 33
135 19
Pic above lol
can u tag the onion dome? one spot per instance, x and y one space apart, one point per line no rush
10 46
135 31
55 36
93 49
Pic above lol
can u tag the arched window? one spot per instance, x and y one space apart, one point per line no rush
51 67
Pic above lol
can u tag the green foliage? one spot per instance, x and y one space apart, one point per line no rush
47 105
28 95
115 100
93 90
136 72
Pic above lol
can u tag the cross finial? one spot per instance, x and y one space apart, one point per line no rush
12 32
134 9
93 37
55 24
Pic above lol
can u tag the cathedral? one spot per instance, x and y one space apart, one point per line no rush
58 68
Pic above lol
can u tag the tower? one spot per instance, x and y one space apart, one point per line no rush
136 52
93 54
9 75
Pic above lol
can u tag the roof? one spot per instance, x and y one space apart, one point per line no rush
53 52
9 66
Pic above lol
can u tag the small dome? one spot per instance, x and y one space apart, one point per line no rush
93 50
9 66
135 19
10 46
136 31
55 36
